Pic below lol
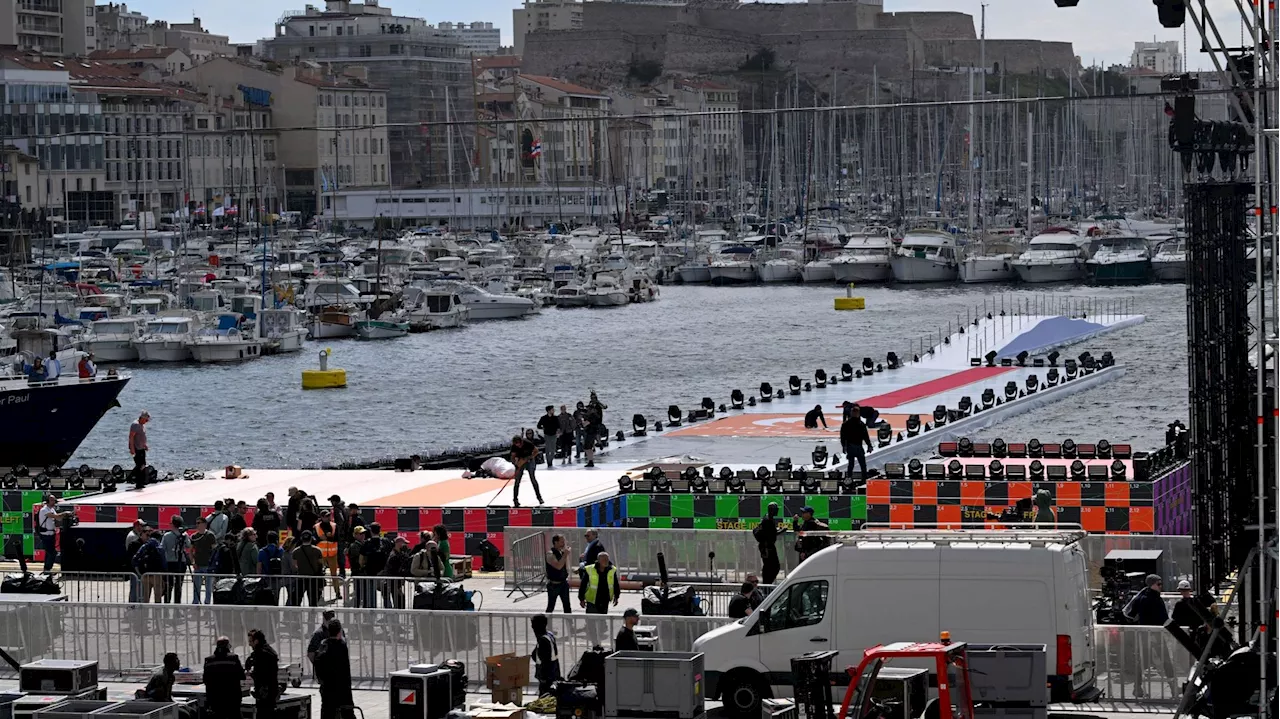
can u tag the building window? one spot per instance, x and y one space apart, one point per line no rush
202 123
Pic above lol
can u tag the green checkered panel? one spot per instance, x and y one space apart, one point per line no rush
739 511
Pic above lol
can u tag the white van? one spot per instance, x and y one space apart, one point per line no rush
985 587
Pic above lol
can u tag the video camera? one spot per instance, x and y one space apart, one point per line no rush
1118 587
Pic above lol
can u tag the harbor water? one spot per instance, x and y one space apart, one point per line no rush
460 388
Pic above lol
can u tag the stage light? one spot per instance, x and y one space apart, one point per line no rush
858 374
108 484
1097 473
850 482
1006 361
891 360
689 474
783 464
884 435
964 447
653 473
694 415
913 425
939 415
1017 449
1086 451
948 449
988 398
820 378
1053 358
726 474
117 472
793 384
1034 448
662 484
53 470
1033 384
735 399
965 406
22 471
982 449
673 416
1077 469
846 372
1010 391
868 365
999 448
657 426
1066 3
707 471
770 481
639 425
895 470
1172 13
1037 470
1072 369
1118 471
1104 449
915 468
1052 450
751 401
766 392
995 470
85 470
820 456
975 361
811 482
625 484
698 483
1069 448
42 481
991 358
1022 358
781 394
1085 358
10 481
1051 379
975 472
1108 359
955 470
1015 473
709 405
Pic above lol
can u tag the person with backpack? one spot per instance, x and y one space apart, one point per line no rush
399 565
177 557
217 520
373 559
271 563
355 553
309 564
149 564
766 536
203 545
247 552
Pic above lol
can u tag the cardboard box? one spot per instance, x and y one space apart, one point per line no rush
493 711
506 671
514 696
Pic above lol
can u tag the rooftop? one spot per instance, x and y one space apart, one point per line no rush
562 86
142 53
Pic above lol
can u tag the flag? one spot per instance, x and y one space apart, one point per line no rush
1168 109
536 150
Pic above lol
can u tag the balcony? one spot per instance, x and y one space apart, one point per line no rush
46 7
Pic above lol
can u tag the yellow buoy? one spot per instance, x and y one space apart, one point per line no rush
849 302
324 378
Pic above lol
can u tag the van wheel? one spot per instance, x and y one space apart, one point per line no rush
742 694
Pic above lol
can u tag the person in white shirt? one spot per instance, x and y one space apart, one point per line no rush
47 527
53 368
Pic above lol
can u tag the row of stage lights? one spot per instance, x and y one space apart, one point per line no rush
745 481
1067 449
84 478
997 471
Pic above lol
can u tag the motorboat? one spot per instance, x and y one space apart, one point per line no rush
925 256
694 272
735 265
434 309
866 257
1120 260
570 296
228 342
783 268
485 305
818 271
989 262
330 291
166 339
1057 255
604 291
111 339
335 321
390 327
282 330
642 287
1170 261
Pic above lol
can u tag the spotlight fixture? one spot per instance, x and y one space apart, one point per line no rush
1037 470
709 406
689 474
891 360
1053 358
1108 359
913 425
1069 449
1086 359
1103 449
726 474
1015 473
766 392
1022 358
1072 369
846 372
975 472
639 425
955 470
783 464
1057 473
964 447
673 416
625 484
85 470
53 470
698 483
935 472
1098 472
948 449
1017 449
10 481
975 361
820 378
1033 384
22 471
662 484
793 384
1118 471
1051 379
1077 469
117 472
995 470
108 484
965 406
884 435
991 358
939 415
42 481
735 399
988 398
849 483
654 473
820 457
771 482
708 472
999 448
1010 391
915 469
1034 448
1006 361
1052 450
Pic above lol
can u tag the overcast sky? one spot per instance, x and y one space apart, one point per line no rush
1103 31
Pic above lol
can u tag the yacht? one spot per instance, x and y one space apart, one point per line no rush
1120 260
604 291
485 305
282 330
818 271
989 262
569 296
1054 256
335 321
325 291
111 339
735 265
166 339
783 268
694 272
228 342
642 289
866 257
1170 261
434 309
925 256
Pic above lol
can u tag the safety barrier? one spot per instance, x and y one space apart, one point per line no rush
1140 663
525 563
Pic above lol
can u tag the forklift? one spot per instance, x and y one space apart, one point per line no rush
949 662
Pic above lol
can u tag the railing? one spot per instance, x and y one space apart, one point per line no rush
1140 663
525 563
1175 560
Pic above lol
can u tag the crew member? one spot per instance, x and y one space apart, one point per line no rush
333 670
524 454
805 522
546 655
557 561
740 605
626 639
223 677
853 436
160 686
138 449
815 416
599 586
592 550
766 535
549 425
263 666
47 521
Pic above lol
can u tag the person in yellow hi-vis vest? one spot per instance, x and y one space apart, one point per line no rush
599 586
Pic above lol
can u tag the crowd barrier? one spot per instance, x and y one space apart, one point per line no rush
1131 662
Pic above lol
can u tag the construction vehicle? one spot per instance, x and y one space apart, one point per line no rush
949 661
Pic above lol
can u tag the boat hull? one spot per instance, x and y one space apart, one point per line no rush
331 330
1120 273
771 273
209 352
105 351
734 274
375 330
879 271
163 351
1041 273
44 425
1172 271
918 270
695 275
987 269
616 298
817 272
285 343
571 302
500 310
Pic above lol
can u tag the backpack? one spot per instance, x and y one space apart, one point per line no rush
221 561
275 559
149 559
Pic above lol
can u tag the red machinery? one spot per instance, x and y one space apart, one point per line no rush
950 662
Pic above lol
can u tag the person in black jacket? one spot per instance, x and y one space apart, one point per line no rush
549 426
813 417
263 666
853 435
766 535
333 670
1147 608
223 675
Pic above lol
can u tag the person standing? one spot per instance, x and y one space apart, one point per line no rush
177 557
333 671
399 565
203 542
740 605
599 587
47 518
327 542
86 368
267 519
307 516
766 536
223 677
1147 608
557 569
626 639
338 513
524 455
595 405
263 666
593 549
373 559
805 522
441 535
138 449
247 552
235 518
853 436
568 427
291 510
591 432
132 543
549 426
308 562
579 429
546 655
149 564
355 550
217 521
53 368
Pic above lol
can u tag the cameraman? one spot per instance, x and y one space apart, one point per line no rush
805 522
47 526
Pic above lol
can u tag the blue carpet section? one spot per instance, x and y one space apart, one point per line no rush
606 513
1053 331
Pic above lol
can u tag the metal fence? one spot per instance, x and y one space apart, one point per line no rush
525 563
1175 559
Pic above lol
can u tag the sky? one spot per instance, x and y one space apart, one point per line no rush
1103 31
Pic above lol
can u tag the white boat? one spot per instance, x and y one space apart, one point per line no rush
111 340
326 291
227 342
1054 256
734 266
166 339
605 291
694 272
642 287
783 268
925 256
818 271
383 329
1120 260
335 322
570 296
485 305
866 257
988 262
281 329
434 309
1170 262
